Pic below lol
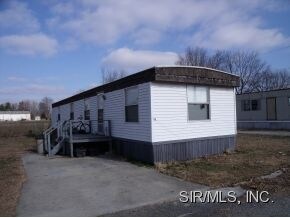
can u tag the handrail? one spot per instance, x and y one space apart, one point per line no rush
65 131
45 131
47 135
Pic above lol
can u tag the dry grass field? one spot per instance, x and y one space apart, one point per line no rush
255 156
15 139
22 128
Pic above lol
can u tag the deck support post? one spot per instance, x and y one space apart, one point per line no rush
71 140
49 146
111 146
71 149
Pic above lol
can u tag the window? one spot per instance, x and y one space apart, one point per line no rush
87 114
101 101
72 116
255 105
131 104
246 105
100 120
289 101
86 111
58 115
198 102
251 105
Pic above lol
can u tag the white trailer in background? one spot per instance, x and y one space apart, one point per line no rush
14 115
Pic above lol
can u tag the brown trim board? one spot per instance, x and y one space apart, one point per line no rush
172 74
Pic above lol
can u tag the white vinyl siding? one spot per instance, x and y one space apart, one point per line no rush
64 112
54 113
170 113
114 110
163 113
79 108
93 102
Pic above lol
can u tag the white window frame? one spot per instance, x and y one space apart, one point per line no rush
87 108
58 114
125 104
100 100
71 106
199 103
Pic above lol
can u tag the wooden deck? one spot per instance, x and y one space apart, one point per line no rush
82 138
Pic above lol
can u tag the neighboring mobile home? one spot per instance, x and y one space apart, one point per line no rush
14 115
264 110
161 114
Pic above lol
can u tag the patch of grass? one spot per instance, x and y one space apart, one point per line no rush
254 156
139 163
14 141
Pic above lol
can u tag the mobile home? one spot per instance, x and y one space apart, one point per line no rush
264 110
161 114
14 115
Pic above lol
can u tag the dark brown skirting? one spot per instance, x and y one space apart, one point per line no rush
173 150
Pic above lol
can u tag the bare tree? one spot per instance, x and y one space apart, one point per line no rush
282 79
24 105
270 80
194 57
34 109
29 105
112 75
14 106
45 107
255 74
217 60
247 65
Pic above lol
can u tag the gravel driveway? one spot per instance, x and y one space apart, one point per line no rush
92 186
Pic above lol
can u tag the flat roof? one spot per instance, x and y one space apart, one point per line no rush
272 90
163 74
14 112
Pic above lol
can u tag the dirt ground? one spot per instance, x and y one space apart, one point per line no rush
15 139
12 174
255 156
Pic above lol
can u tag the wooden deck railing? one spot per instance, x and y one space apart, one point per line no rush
99 127
55 136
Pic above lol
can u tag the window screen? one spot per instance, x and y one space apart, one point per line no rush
87 114
251 105
255 104
198 102
131 104
86 102
100 101
246 105
72 111
87 109
58 115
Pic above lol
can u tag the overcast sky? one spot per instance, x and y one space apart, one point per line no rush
56 48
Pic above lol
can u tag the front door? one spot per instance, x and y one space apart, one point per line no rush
271 109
